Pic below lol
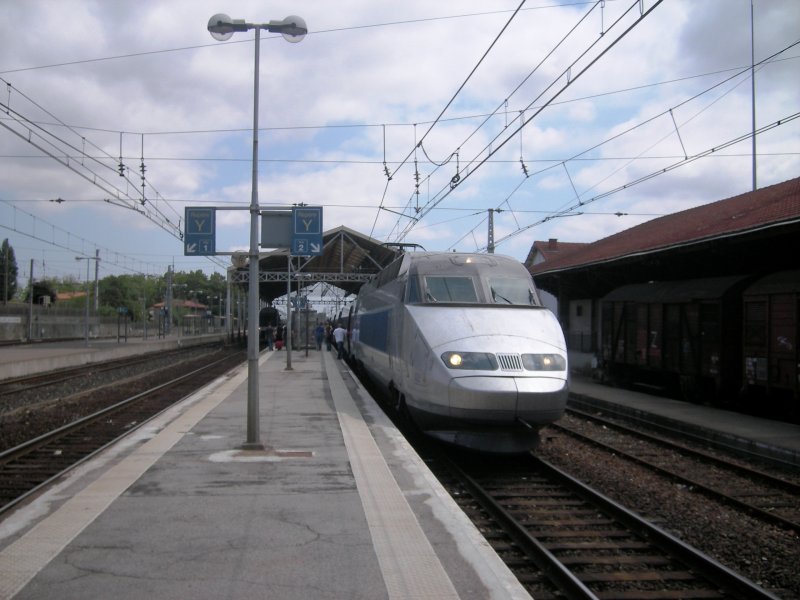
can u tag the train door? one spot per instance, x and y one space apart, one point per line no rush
655 335
672 337
782 352
690 339
352 331
617 346
709 339
755 339
642 331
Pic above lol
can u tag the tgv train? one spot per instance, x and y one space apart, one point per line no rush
464 347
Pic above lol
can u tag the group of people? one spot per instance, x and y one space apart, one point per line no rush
331 337
273 336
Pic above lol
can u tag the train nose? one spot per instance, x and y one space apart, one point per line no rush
504 399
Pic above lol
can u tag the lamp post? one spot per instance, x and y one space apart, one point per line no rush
293 29
86 317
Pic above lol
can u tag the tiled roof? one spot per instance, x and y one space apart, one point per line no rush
552 249
61 296
747 212
182 304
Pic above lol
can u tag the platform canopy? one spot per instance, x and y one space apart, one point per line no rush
348 260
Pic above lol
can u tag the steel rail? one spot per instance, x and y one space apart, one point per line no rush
35 443
563 577
569 583
767 455
700 562
789 486
764 515
69 373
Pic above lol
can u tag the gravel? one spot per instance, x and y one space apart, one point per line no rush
764 554
27 414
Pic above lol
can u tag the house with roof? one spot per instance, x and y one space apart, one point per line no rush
755 233
552 249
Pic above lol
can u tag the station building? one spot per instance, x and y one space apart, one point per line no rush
752 234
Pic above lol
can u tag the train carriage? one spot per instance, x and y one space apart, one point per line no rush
771 359
724 340
465 348
672 335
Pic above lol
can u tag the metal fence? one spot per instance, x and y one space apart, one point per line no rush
22 323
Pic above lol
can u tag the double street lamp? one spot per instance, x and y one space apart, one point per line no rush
293 29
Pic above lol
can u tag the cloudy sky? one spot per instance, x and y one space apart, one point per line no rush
407 121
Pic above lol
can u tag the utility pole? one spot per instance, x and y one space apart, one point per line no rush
753 88
490 241
5 278
30 305
96 280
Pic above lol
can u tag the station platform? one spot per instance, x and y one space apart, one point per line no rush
20 360
745 433
336 506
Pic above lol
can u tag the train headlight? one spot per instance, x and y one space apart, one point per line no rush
544 362
473 361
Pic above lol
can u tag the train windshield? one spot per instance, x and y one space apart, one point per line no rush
450 289
516 291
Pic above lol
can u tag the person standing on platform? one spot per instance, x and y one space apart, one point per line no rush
338 335
319 333
269 335
328 335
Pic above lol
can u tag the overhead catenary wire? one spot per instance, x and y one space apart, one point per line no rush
653 174
461 87
445 190
569 80
59 149
278 36
569 208
773 59
420 222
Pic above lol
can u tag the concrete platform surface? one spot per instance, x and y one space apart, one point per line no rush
773 439
337 506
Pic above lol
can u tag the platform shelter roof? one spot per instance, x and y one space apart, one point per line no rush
348 260
757 231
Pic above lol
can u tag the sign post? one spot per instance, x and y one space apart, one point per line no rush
200 231
306 231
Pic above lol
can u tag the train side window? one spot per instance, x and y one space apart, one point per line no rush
450 289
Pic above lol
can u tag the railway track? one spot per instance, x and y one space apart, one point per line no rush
28 467
769 497
564 539
27 383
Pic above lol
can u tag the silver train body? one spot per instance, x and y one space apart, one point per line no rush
465 348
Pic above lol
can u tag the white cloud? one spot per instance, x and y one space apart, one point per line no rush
325 101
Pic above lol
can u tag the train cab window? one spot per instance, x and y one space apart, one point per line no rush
506 290
450 289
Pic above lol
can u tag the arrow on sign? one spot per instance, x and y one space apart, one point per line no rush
315 248
191 248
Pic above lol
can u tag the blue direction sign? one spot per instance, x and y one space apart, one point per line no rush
307 231
200 231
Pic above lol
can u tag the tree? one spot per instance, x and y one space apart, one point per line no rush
8 271
42 289
133 292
